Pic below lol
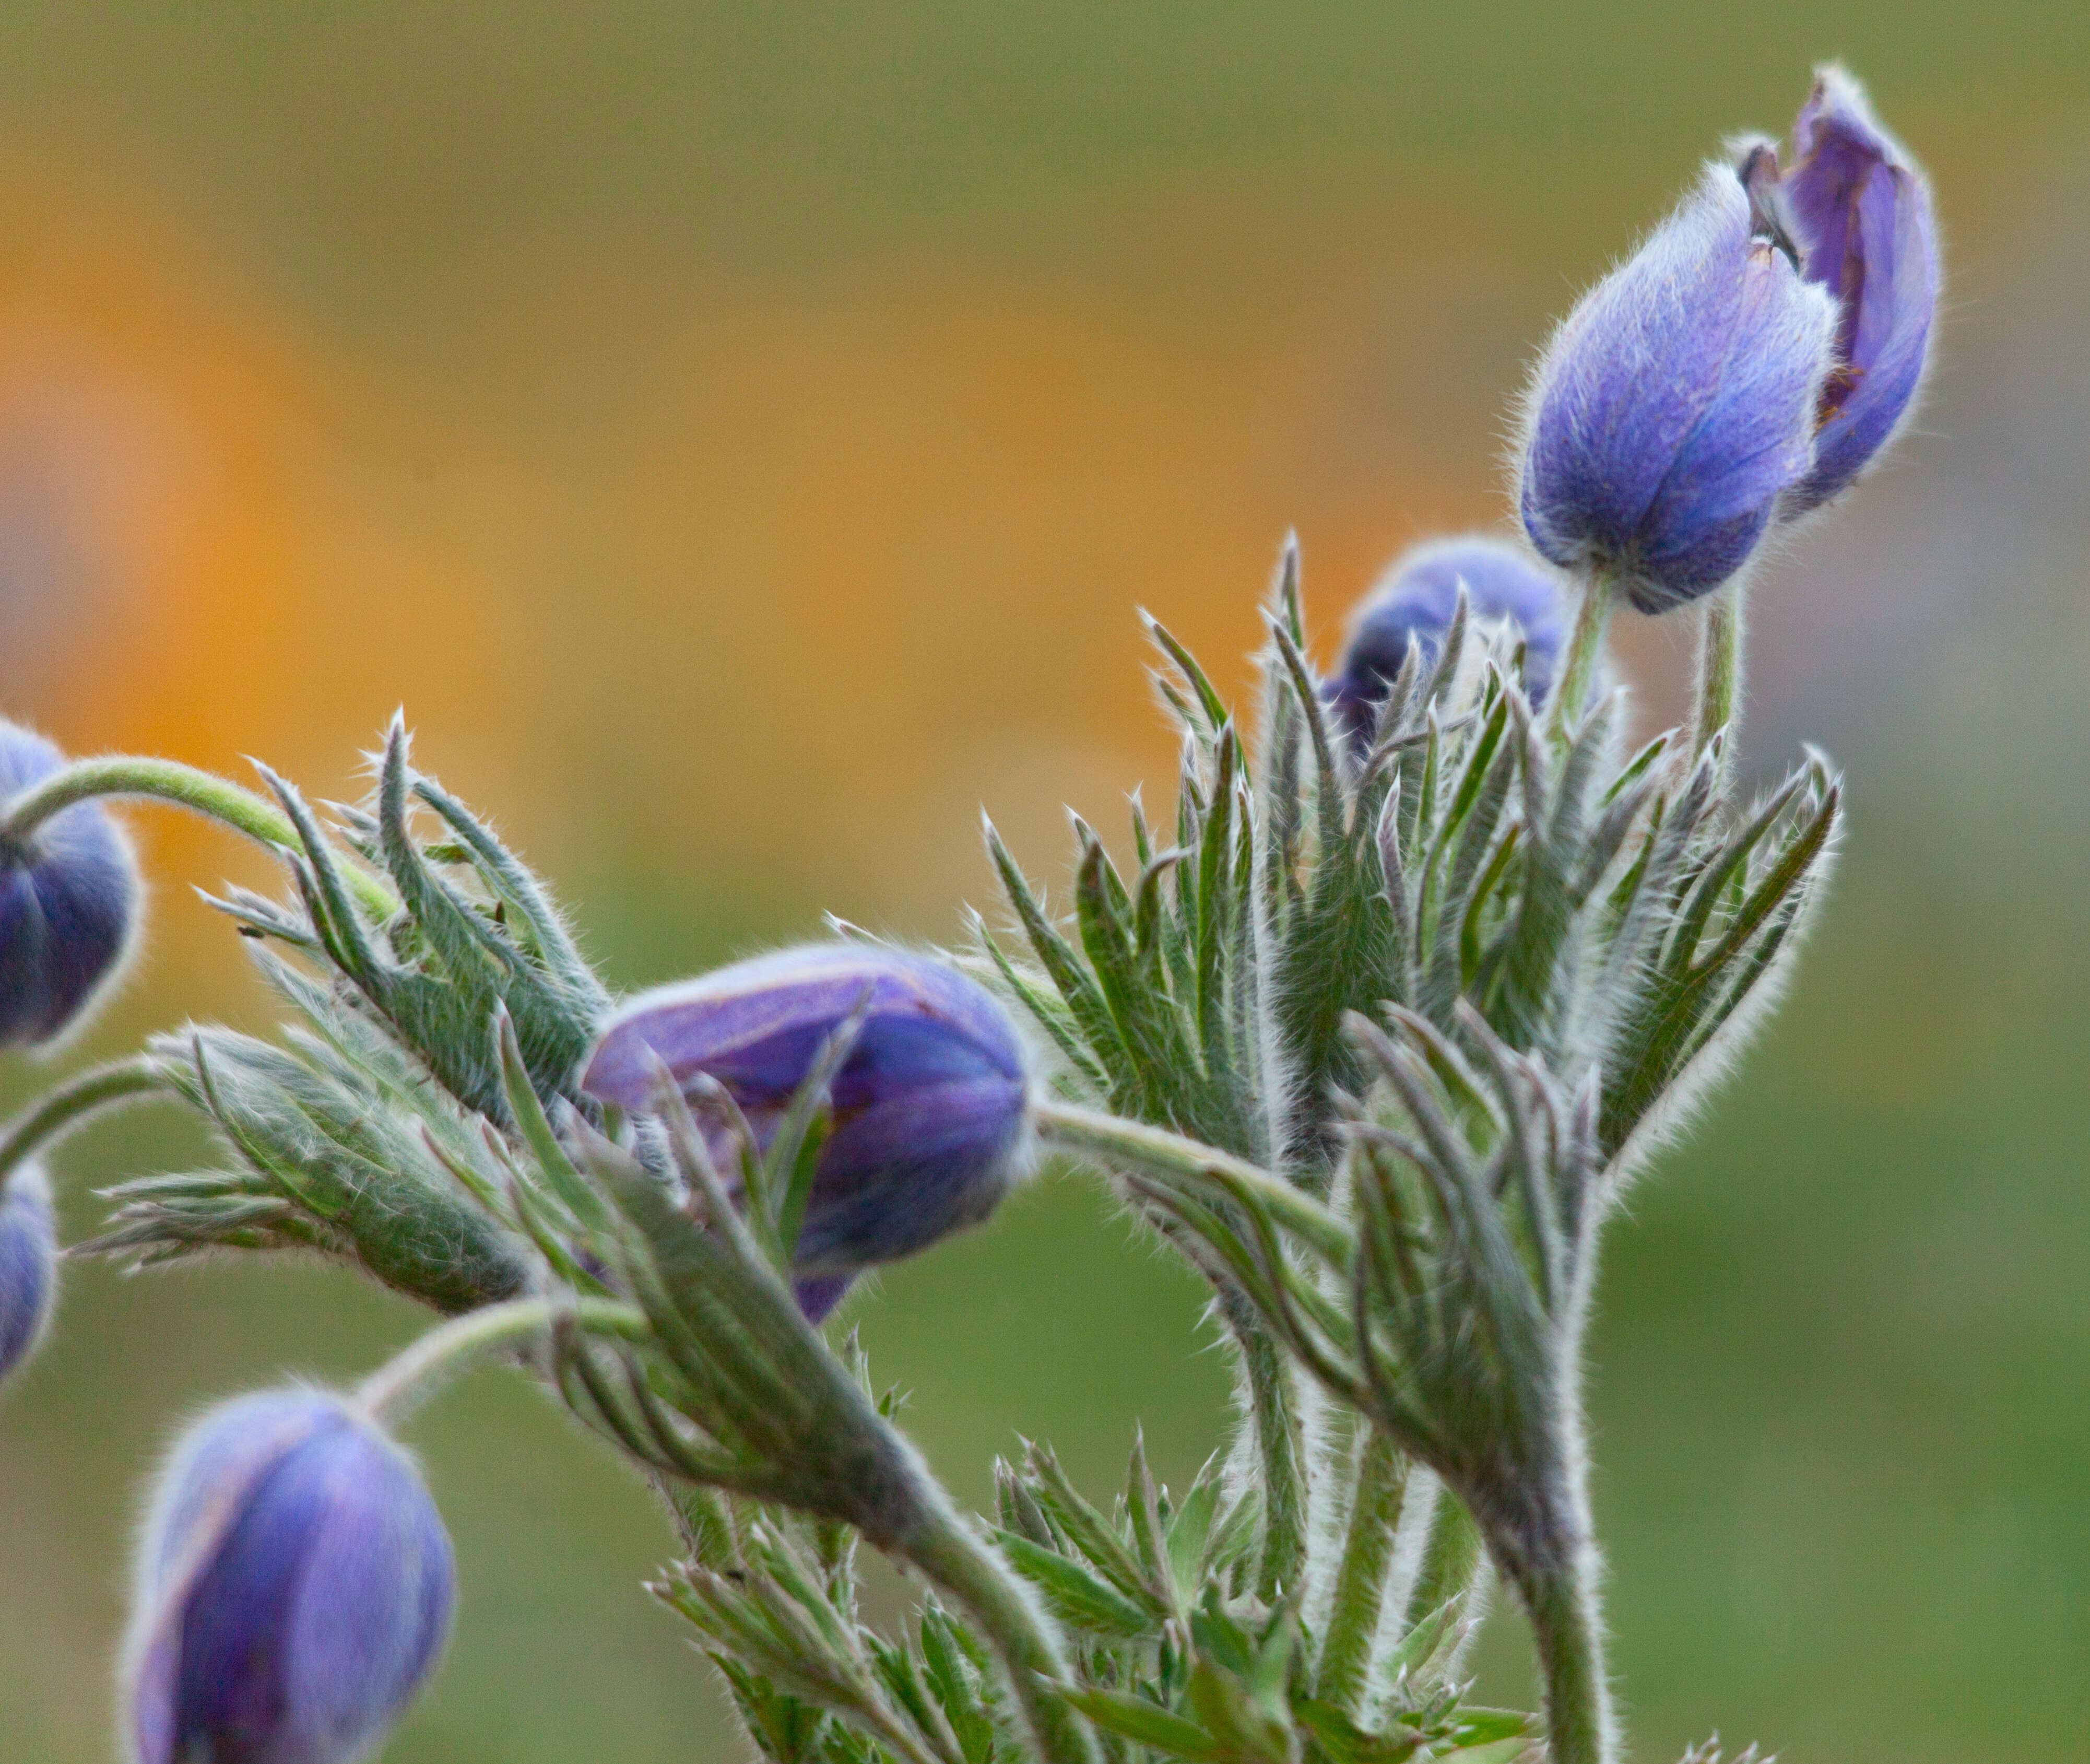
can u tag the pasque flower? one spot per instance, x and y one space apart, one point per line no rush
1859 212
929 1107
1415 598
68 899
293 1591
1677 404
28 1265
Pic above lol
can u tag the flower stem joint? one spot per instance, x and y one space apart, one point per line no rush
68 904
929 1105
295 1589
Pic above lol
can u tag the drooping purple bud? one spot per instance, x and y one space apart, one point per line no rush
1676 404
1415 598
28 1265
68 900
294 1589
1860 213
930 1107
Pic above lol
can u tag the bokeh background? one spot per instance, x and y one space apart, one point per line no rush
741 437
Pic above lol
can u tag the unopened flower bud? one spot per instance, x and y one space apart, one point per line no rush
1859 211
930 1107
68 900
1415 598
293 1591
28 1265
1676 405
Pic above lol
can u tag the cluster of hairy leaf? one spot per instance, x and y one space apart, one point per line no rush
1173 1656
1442 985
380 1131
1442 1299
1605 917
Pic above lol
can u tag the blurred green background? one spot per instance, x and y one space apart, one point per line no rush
741 435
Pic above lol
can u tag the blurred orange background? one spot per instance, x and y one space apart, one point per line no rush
741 437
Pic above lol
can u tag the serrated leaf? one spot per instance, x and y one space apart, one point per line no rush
1077 1594
1147 1723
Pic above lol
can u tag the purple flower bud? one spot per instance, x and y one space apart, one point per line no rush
68 899
1416 596
1676 404
929 1107
294 1589
1860 210
28 1265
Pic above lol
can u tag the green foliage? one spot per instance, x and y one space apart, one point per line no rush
1375 1032
1174 1656
1600 916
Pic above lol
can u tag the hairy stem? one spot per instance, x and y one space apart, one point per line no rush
1272 1404
1106 1139
168 780
948 1552
1580 1726
1353 1617
53 1116
1273 1412
1585 643
1718 690
399 1387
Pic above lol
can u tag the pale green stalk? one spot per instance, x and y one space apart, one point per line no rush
1718 695
1585 644
1353 1615
410 1378
168 780
53 1116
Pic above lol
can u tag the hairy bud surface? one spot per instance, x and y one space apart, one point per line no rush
1415 599
28 1265
929 1105
1677 404
68 900
295 1589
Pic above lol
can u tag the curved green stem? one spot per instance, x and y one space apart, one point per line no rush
948 1552
1156 1151
1354 1617
1585 643
57 1113
404 1382
1272 1404
168 780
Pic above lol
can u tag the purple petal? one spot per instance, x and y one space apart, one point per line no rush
29 1264
929 1107
1677 405
295 1589
758 1024
1864 211
67 904
1415 596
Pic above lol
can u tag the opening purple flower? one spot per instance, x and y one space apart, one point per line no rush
68 900
28 1265
1860 210
929 1107
1415 598
295 1589
1676 405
